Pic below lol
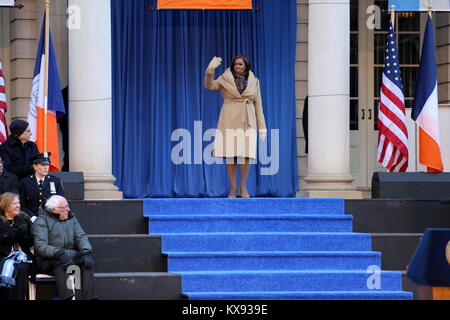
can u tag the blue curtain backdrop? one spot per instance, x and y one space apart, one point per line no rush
159 60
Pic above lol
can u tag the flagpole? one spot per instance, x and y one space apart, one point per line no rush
393 27
393 16
47 58
430 11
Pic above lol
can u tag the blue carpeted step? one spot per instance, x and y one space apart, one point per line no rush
250 223
302 295
265 241
268 248
309 260
212 206
312 280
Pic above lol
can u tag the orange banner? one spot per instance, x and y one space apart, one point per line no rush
52 138
205 4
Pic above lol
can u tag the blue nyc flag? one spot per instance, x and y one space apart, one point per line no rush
420 5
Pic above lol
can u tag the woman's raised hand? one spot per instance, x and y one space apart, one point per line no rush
215 62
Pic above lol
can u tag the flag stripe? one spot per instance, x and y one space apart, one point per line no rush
3 108
428 118
381 146
36 113
392 151
390 120
389 91
388 155
430 154
394 89
425 108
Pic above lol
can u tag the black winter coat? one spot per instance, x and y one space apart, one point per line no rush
9 183
16 156
18 231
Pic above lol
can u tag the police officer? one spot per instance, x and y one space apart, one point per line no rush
34 190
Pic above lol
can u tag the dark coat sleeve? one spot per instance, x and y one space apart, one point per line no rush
9 183
23 169
23 196
6 236
30 150
24 237
13 183
9 166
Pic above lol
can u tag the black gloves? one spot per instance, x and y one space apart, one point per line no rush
85 260
88 261
65 260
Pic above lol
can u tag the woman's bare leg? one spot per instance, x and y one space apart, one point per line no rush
245 168
232 176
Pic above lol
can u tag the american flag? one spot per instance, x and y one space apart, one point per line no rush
3 108
393 135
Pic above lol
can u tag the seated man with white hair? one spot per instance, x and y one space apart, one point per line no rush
59 242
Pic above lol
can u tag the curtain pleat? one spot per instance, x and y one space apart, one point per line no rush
159 60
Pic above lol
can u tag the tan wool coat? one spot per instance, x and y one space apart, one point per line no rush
240 117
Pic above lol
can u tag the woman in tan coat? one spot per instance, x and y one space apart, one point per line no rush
240 117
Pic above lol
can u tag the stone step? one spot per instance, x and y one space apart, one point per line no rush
124 286
128 253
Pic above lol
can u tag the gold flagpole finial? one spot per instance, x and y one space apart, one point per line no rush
430 10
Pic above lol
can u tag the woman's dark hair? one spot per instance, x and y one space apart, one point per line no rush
248 65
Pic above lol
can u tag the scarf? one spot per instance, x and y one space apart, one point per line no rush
228 82
7 266
241 83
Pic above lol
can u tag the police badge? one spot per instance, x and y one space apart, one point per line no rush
52 188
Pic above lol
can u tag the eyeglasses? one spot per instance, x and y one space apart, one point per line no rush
65 207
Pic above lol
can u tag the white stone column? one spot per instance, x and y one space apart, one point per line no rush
329 97
90 97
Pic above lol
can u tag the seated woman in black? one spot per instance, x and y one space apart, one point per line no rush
15 239
17 151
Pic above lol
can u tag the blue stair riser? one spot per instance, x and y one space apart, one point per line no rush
303 295
207 242
268 248
287 281
267 261
241 223
243 206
